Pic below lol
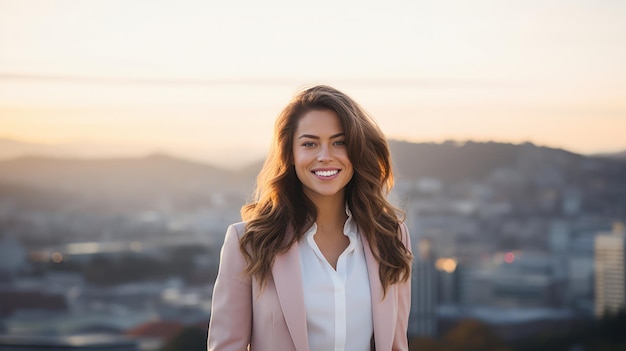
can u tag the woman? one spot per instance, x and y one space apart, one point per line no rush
322 261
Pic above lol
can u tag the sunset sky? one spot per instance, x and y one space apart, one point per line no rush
199 77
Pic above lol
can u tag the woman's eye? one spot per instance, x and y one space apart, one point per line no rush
340 142
308 144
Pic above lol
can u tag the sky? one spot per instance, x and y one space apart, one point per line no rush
206 78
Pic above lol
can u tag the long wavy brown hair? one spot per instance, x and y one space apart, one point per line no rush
280 213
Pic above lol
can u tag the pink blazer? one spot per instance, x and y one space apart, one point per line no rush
274 319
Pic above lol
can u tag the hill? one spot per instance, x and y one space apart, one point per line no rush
512 169
472 160
153 172
112 183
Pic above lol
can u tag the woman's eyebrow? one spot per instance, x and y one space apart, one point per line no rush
311 136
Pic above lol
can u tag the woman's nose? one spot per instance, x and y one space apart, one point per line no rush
324 154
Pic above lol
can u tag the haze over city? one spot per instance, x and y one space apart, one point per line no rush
197 78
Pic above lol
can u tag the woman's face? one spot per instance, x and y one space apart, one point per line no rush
321 156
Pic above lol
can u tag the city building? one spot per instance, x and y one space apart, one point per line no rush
610 273
423 314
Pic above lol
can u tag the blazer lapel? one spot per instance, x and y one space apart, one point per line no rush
382 310
287 276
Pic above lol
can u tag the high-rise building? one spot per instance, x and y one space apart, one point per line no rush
423 315
610 271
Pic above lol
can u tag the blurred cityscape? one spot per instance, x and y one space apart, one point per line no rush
519 237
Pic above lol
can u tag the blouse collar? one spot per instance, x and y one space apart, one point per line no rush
349 228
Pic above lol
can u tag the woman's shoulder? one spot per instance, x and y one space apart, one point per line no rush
239 226
236 229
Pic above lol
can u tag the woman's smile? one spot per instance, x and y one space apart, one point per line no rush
326 173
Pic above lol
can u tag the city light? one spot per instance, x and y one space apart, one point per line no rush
447 265
509 257
57 257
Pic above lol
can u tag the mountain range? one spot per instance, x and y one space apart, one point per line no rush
165 174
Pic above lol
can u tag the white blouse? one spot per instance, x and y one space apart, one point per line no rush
338 302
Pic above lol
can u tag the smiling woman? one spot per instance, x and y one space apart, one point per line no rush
323 260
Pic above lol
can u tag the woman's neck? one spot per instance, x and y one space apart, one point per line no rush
331 212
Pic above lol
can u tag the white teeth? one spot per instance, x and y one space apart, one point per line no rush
326 173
